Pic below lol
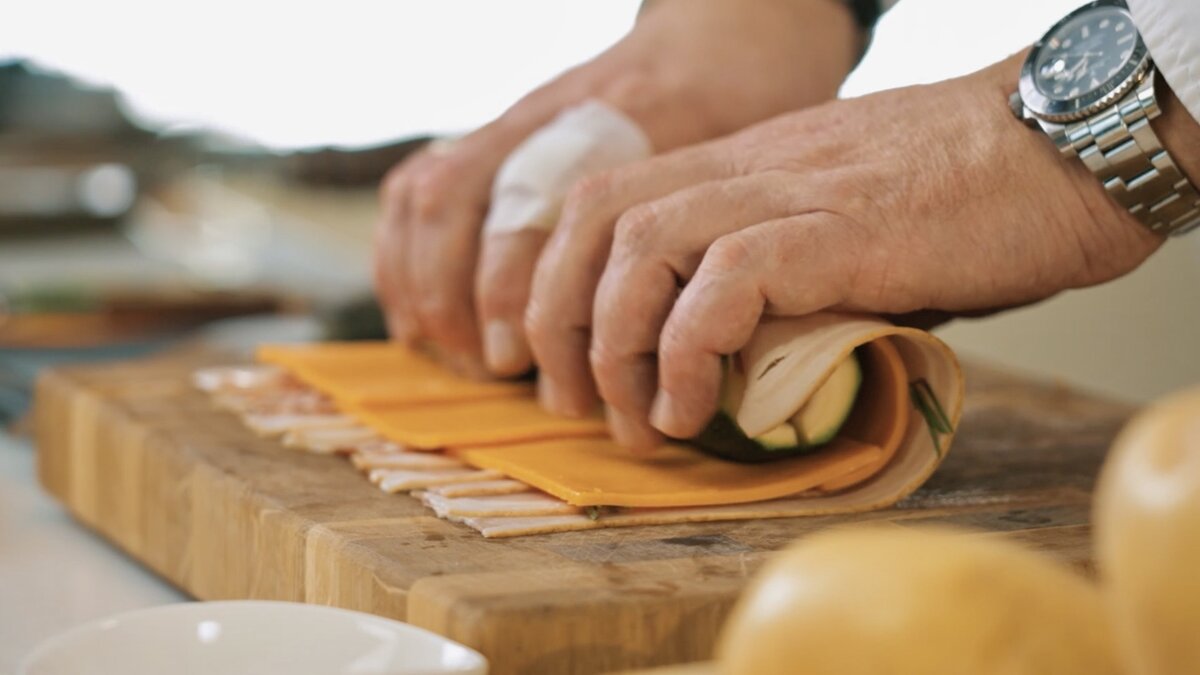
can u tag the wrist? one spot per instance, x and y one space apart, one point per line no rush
1179 132
1109 238
1135 189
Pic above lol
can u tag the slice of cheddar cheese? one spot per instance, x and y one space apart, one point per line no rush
598 472
381 372
472 423
409 399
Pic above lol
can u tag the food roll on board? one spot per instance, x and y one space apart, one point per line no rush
830 413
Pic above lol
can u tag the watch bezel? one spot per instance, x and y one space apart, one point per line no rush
1053 110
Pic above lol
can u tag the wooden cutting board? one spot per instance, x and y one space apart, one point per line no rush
138 455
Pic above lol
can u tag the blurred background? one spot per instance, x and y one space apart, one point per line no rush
168 168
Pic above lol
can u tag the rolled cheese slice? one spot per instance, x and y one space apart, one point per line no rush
913 419
887 448
889 445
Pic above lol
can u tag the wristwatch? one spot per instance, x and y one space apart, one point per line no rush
1089 85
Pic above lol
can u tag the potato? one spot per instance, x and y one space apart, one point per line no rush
897 601
1147 529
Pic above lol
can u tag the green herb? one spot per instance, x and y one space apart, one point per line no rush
594 512
926 402
51 299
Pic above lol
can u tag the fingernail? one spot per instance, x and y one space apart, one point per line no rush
631 432
664 413
548 396
503 347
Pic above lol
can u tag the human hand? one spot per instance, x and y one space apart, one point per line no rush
923 198
690 70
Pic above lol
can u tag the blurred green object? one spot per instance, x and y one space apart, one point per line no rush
359 319
65 298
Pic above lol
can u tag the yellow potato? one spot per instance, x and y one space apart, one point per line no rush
875 601
1147 520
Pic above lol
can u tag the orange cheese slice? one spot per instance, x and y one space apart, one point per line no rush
409 399
357 373
598 472
472 423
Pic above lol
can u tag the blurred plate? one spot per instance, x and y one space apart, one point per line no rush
244 637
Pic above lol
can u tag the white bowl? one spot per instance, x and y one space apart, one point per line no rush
250 637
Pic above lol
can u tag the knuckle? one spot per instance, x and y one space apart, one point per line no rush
730 252
433 189
605 360
435 312
635 231
540 308
394 184
673 340
539 328
586 192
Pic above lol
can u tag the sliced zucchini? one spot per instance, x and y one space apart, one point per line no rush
814 425
781 437
823 416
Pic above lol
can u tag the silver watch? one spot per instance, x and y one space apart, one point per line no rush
1089 85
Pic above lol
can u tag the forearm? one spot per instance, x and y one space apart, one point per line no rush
831 25
733 63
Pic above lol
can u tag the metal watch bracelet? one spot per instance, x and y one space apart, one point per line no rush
1121 149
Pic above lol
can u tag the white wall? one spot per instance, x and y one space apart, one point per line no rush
297 73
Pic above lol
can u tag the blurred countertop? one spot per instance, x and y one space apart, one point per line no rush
220 230
54 573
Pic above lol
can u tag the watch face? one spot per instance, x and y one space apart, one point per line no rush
1085 63
1084 53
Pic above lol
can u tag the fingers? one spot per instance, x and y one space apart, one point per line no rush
793 266
559 314
428 240
387 258
657 247
502 286
445 208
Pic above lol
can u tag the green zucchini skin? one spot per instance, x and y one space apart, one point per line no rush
724 438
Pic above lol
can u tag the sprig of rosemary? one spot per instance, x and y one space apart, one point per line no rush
926 402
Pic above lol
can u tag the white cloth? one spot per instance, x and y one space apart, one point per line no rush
1171 29
530 187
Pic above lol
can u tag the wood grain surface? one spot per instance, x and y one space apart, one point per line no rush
139 456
